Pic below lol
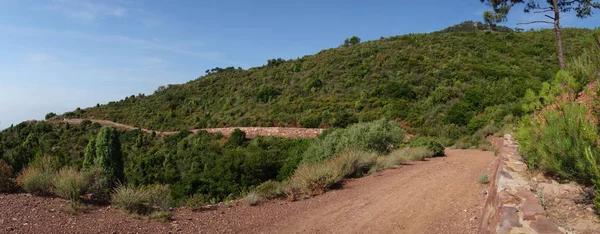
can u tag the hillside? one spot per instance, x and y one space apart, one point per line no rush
449 85
445 84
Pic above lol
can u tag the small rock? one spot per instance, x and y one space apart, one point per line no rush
590 209
465 210
25 224
14 219
483 192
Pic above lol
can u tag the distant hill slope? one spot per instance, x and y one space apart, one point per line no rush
439 83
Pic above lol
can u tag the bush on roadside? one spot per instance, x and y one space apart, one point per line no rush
429 143
142 200
70 183
270 189
380 136
556 142
35 181
197 201
252 198
419 153
314 179
354 162
131 199
6 182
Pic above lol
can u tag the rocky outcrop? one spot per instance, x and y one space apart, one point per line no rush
511 206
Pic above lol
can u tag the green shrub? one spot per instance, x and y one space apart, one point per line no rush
557 141
419 153
354 162
197 201
270 189
162 216
50 115
6 182
379 136
314 179
237 138
483 179
35 181
252 198
132 199
429 143
98 183
159 197
142 200
70 183
399 156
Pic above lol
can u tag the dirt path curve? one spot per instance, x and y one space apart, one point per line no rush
251 132
436 196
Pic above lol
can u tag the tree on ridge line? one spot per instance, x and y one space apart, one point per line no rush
583 8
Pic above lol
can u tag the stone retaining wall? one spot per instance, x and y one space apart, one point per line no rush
511 206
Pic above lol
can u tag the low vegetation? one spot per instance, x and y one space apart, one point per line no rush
562 138
380 136
34 180
143 200
7 183
70 183
483 179
430 144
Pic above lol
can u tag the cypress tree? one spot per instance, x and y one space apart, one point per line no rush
89 155
108 154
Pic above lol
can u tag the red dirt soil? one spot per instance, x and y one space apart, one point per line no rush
440 195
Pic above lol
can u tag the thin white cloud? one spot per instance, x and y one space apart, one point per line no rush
152 45
85 11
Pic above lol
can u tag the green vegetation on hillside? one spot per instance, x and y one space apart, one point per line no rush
559 136
192 164
445 85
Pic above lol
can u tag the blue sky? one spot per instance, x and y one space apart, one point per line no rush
58 55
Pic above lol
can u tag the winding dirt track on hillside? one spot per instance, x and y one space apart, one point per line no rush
251 132
440 195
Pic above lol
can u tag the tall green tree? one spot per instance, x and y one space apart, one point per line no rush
354 40
89 154
551 9
105 151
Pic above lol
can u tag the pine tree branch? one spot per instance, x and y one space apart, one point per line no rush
536 22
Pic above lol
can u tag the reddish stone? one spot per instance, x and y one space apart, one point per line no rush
530 210
510 219
543 225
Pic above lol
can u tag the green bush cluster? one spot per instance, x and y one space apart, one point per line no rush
70 183
142 200
557 142
429 143
380 136
36 181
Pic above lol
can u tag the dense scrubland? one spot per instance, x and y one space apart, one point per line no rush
449 88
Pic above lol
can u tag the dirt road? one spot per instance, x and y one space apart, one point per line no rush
251 132
441 195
